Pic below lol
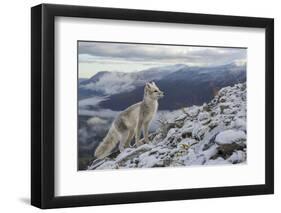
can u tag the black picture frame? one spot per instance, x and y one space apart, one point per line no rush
43 102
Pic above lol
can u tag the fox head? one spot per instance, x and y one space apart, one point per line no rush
152 91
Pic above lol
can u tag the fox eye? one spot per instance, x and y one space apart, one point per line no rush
155 91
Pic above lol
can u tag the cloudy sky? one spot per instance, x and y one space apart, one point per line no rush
98 56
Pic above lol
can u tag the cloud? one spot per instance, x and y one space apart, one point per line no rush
128 57
112 83
116 52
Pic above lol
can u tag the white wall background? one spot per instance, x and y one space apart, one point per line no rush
15 105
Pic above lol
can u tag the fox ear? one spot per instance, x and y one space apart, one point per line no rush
153 83
148 85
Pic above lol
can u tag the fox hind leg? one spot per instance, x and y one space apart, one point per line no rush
129 139
125 139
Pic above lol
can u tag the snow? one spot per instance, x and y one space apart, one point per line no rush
148 161
240 123
237 157
203 116
211 134
193 111
230 136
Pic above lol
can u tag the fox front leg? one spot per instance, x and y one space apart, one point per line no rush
138 132
145 131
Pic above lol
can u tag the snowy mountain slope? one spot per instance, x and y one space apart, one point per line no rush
214 133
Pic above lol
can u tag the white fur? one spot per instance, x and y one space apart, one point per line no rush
130 122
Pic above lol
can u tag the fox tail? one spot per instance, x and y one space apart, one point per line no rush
109 142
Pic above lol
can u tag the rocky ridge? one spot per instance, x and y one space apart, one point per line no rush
211 134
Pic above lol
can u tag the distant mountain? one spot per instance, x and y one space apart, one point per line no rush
94 78
108 83
183 86
81 80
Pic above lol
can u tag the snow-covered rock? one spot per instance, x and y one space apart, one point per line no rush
212 134
230 136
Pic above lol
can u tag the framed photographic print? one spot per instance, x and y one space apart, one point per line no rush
140 106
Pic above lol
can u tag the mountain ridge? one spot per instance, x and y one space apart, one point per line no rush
123 89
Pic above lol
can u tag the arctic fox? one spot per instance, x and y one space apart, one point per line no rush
130 122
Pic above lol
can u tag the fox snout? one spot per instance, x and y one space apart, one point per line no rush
161 95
